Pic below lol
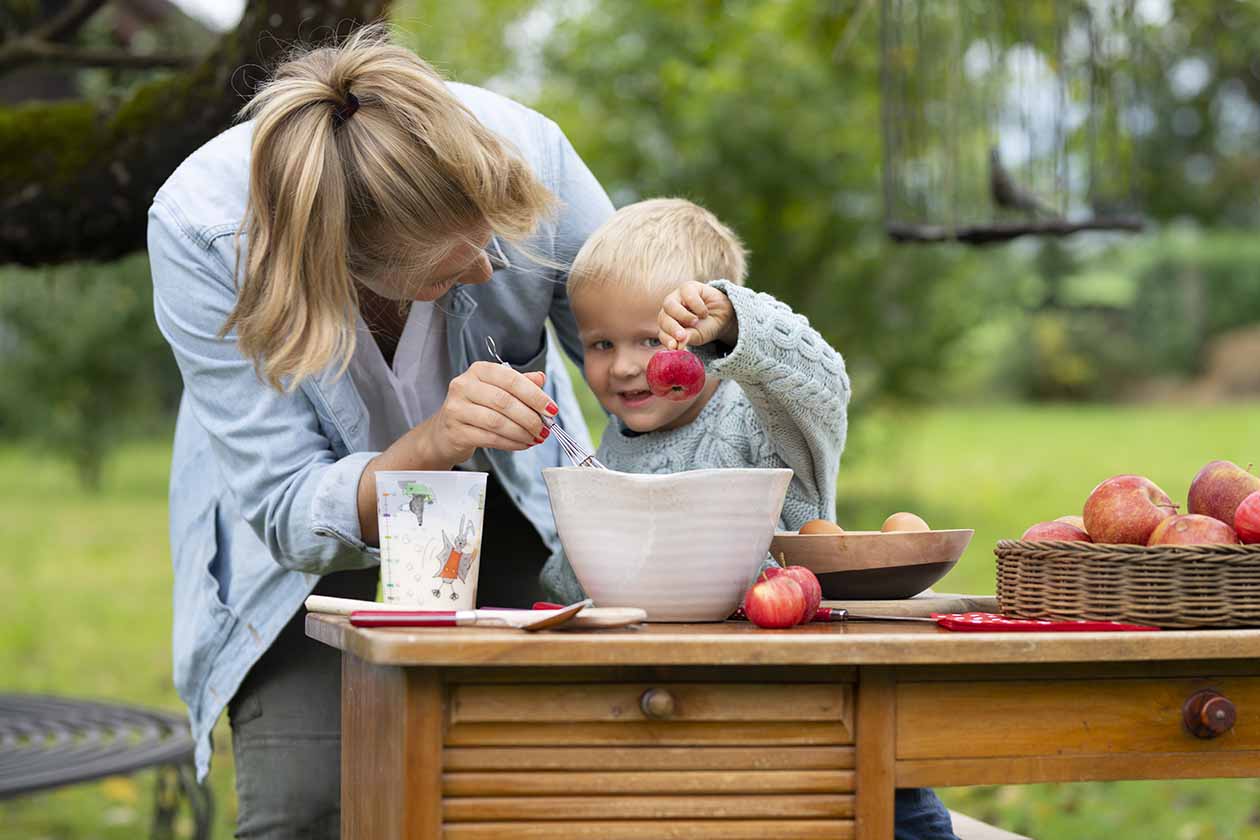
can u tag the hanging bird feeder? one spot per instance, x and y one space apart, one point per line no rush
1004 118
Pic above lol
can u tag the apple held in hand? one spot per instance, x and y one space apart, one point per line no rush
775 601
1055 530
1247 519
1126 509
675 374
1219 488
1192 529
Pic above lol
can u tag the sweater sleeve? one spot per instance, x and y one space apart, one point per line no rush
796 383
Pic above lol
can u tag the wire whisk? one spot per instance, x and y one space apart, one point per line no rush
574 450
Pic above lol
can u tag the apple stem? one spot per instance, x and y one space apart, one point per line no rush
782 560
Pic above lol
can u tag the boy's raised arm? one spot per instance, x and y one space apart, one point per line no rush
796 382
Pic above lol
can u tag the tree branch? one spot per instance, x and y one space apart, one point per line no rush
79 175
67 22
26 51
1006 231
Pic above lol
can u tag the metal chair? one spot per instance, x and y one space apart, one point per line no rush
49 742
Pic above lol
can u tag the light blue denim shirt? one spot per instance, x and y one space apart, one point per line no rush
263 495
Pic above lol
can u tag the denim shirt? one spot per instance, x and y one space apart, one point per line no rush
264 484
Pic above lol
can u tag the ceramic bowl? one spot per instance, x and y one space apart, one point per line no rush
683 546
872 564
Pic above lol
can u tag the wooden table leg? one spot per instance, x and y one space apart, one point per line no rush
876 753
392 724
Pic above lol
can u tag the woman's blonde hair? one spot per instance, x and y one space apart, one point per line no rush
363 165
657 245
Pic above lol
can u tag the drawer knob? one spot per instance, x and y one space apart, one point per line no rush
1208 713
657 703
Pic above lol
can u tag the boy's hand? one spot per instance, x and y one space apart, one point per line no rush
697 313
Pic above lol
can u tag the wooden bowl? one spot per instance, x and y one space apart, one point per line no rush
872 565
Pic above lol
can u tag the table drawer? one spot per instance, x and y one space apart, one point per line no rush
648 760
1062 730
661 701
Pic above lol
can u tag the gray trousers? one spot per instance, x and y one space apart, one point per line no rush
286 716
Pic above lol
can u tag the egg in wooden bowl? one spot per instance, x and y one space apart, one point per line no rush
873 565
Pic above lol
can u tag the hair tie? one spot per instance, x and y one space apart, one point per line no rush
344 112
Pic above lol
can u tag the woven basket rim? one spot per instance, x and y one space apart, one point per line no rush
1079 549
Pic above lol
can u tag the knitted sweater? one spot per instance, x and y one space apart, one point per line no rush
782 404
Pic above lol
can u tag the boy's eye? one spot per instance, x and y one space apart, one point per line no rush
652 342
601 344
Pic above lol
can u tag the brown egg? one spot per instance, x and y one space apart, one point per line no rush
904 522
820 526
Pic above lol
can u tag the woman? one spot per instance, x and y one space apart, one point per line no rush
326 275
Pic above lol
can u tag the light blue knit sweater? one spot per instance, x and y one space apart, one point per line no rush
783 404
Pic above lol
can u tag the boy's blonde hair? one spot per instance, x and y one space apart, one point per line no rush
657 245
390 189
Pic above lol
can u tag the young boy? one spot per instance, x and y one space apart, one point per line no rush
775 393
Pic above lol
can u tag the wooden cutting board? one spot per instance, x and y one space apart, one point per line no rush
923 604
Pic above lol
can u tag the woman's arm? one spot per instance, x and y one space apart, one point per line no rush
308 506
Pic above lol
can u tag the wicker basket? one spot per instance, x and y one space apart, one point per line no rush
1166 586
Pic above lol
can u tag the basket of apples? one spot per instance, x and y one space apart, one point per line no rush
1132 556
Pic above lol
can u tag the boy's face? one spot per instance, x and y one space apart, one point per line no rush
619 335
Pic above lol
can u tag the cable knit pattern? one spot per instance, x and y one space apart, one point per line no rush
783 404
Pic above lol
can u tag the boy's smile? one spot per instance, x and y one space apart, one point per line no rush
618 328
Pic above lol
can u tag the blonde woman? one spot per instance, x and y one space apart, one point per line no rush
326 274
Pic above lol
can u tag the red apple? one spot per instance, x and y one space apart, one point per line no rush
675 374
1078 521
1055 530
1218 489
775 600
1192 529
1126 509
1247 519
811 588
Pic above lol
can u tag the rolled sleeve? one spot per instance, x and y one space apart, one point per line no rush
272 452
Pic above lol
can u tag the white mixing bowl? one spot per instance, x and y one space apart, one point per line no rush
683 546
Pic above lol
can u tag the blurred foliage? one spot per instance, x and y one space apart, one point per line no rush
82 365
754 110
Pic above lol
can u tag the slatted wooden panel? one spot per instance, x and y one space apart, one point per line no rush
552 782
580 760
647 734
652 830
567 808
647 758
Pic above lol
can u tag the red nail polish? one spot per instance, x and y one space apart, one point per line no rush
553 409
537 441
543 434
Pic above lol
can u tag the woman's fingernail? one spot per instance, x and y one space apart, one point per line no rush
553 409
543 434
538 440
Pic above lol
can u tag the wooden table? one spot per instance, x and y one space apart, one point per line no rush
726 731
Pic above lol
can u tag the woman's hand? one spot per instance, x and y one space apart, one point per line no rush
489 405
697 313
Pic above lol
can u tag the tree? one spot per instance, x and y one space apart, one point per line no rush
79 175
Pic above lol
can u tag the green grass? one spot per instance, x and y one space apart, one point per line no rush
87 583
